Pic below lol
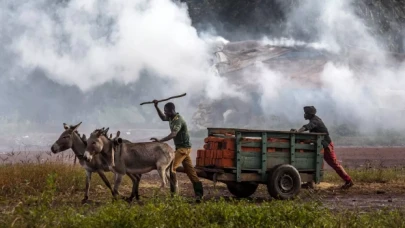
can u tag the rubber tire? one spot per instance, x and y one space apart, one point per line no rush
274 186
242 189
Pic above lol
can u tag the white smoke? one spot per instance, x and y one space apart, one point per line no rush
143 47
284 42
87 43
366 93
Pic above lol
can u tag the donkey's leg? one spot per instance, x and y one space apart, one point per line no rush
162 173
87 190
162 165
106 182
167 174
117 182
136 178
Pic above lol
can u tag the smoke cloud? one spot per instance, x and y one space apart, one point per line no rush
364 88
95 61
146 48
88 43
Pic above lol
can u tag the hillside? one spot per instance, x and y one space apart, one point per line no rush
250 19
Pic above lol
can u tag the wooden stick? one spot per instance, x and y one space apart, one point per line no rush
151 102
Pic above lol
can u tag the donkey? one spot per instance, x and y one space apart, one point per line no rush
133 158
70 139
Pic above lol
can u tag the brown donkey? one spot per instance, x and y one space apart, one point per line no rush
132 158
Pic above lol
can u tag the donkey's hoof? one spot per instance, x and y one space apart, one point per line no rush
141 203
117 197
85 201
162 187
127 199
175 191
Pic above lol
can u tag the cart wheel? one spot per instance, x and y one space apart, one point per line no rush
242 189
284 182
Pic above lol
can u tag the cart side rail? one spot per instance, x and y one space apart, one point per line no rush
289 142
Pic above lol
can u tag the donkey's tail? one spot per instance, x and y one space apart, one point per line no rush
172 176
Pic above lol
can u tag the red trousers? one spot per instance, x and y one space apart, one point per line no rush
330 158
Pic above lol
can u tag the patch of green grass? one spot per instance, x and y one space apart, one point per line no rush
178 212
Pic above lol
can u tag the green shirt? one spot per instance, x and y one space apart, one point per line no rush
182 139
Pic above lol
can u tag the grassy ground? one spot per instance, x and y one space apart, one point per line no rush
48 195
371 175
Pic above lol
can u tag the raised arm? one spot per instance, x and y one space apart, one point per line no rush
162 116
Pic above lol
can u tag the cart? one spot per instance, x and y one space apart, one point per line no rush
243 159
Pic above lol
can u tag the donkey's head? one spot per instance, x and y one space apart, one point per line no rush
65 140
96 143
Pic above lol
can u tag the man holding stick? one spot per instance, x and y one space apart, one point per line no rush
181 138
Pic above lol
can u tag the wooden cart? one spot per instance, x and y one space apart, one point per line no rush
243 159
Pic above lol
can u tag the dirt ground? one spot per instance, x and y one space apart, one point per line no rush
383 157
363 197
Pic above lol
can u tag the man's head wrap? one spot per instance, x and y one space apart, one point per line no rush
311 110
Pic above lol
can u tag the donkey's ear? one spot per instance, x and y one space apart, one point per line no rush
118 134
106 131
84 138
65 126
98 132
111 136
74 128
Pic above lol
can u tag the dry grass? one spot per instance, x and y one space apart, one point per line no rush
20 180
394 175
29 179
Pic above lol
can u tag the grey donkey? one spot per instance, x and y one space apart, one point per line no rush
70 139
133 158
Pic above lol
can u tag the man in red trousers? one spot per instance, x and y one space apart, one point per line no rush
316 125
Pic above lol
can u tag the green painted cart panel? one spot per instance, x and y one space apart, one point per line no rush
309 161
280 145
303 161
